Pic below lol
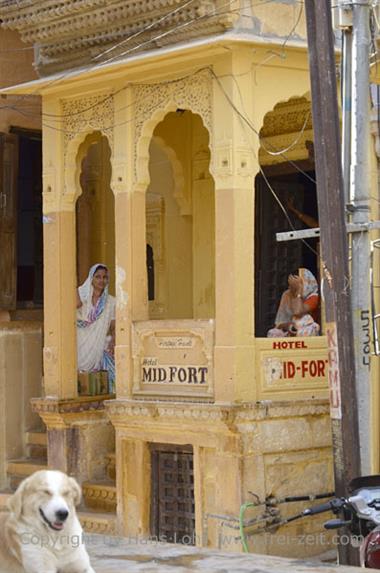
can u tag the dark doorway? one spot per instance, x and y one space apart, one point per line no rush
274 261
150 271
172 505
29 220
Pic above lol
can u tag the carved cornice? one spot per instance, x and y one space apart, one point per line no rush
287 132
62 413
69 33
105 525
287 117
71 406
124 412
100 495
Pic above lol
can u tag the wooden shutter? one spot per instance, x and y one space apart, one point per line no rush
8 219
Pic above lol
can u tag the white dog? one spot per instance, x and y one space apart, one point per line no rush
41 532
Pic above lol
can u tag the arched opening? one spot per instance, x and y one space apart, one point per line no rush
95 209
95 235
288 173
180 220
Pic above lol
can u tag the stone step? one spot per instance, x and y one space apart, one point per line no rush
37 437
17 470
100 496
97 522
111 466
36 444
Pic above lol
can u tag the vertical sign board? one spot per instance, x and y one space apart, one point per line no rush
333 372
173 357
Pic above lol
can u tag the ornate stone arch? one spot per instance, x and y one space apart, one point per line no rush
81 118
154 101
75 153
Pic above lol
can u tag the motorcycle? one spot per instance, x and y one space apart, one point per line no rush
360 514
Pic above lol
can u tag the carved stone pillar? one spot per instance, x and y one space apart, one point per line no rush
60 379
233 165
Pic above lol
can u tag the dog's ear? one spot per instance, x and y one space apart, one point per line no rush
76 490
15 502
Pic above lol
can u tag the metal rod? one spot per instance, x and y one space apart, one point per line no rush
346 108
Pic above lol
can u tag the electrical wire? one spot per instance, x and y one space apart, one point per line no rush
160 36
246 121
211 14
153 24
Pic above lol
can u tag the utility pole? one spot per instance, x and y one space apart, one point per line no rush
360 209
335 272
353 19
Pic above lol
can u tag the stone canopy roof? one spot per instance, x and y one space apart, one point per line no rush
70 33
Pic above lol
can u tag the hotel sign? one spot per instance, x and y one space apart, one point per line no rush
173 357
292 367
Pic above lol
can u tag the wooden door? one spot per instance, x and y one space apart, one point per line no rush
172 504
273 260
8 219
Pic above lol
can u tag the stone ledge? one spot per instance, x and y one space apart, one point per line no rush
69 406
225 413
100 495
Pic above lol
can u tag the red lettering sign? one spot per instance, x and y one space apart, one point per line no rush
288 344
333 372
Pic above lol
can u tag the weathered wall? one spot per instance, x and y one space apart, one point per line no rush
273 450
16 66
20 380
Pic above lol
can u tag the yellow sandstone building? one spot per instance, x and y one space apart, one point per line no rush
167 130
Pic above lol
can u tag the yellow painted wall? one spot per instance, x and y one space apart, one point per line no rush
95 211
176 274
20 380
183 180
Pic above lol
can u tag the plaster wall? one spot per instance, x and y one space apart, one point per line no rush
187 266
95 220
20 380
17 110
175 275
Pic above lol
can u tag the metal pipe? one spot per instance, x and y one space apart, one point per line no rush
360 208
346 108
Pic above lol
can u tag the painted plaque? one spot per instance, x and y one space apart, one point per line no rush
173 357
292 367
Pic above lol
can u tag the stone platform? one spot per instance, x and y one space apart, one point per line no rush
122 555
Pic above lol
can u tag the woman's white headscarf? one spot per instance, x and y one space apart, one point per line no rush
86 290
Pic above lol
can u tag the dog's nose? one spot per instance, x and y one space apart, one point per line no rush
62 514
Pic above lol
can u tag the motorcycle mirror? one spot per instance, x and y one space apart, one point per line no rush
335 523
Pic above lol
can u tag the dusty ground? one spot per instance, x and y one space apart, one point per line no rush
118 555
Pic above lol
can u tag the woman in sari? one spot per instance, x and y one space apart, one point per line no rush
297 311
96 324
